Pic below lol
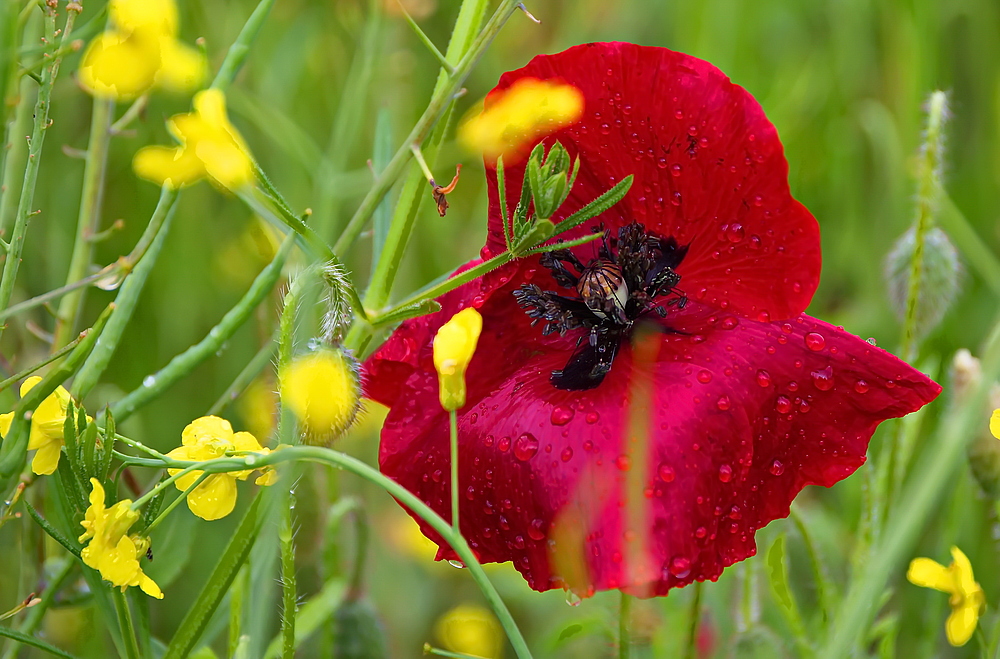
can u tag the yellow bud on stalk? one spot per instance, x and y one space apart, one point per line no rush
323 389
454 345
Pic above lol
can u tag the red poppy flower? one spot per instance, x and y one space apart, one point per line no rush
595 454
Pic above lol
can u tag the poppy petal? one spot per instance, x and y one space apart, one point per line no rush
741 416
709 171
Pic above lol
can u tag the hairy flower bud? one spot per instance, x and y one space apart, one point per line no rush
940 277
323 389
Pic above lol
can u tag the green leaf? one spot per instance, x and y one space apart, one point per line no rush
34 642
215 589
597 206
71 546
778 573
421 308
88 440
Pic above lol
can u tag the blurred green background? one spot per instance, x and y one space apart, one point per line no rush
844 82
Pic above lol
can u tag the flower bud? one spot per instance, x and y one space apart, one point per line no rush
454 346
551 179
984 449
940 277
323 389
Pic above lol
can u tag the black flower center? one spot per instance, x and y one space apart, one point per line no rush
629 277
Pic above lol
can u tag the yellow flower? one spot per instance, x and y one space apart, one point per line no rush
111 551
995 423
139 52
210 146
454 346
967 600
472 630
322 388
526 111
46 427
208 438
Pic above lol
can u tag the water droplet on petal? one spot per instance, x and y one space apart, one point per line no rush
458 564
763 378
777 468
561 415
535 531
725 473
567 454
823 379
735 233
783 405
525 447
680 566
504 444
704 376
815 341
623 462
572 598
700 532
861 387
723 403
666 473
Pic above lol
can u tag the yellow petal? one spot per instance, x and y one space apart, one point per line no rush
961 624
215 498
149 586
210 105
963 576
119 67
323 389
182 68
930 574
46 459
225 162
207 429
5 421
156 16
28 385
995 423
454 345
174 168
471 630
244 441
268 476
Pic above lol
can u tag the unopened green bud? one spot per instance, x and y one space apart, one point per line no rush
359 633
551 178
984 449
939 272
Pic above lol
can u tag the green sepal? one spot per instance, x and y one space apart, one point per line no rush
539 232
597 206
107 445
88 445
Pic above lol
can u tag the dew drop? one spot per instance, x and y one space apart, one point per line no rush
735 233
592 417
729 322
783 405
764 316
815 341
725 473
504 444
700 532
723 403
470 493
680 566
704 376
525 447
678 114
535 531
777 468
561 415
666 473
623 462
519 541
675 170
763 378
572 598
458 564
823 379
861 387
605 129
148 381
567 454
488 441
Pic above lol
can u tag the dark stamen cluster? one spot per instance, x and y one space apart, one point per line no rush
631 270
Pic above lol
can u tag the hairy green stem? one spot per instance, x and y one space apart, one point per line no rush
41 126
240 50
89 218
624 619
286 540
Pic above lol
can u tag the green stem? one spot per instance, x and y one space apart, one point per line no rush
421 130
37 612
15 147
824 588
245 377
54 294
453 425
45 362
691 647
128 297
89 219
182 364
125 624
173 504
238 52
286 539
624 617
41 126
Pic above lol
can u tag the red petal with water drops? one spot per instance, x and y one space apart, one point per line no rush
659 476
709 170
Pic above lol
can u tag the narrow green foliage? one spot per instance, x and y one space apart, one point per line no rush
400 314
107 444
597 206
218 584
71 546
31 641
151 510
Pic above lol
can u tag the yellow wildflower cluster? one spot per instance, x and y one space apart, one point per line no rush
454 345
210 146
520 115
111 551
139 52
208 438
